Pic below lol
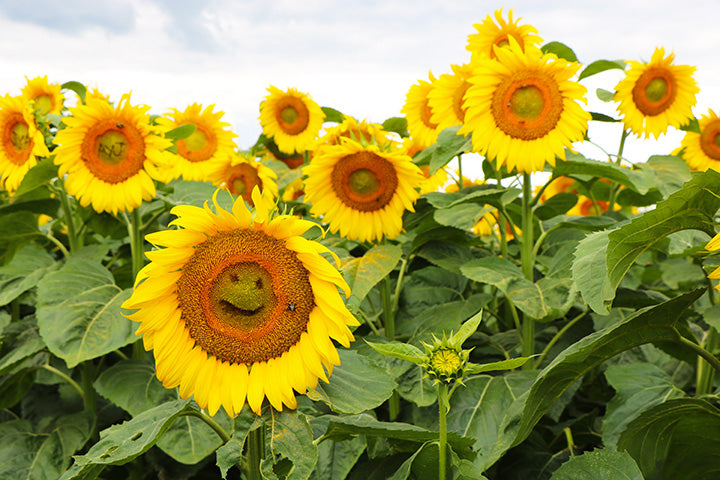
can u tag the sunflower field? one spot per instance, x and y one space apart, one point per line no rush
454 293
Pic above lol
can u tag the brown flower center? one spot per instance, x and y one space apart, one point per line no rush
292 115
242 178
459 100
113 151
364 181
16 139
655 91
710 139
201 145
245 297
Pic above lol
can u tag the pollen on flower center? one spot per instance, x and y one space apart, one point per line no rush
446 362
112 147
113 151
527 102
364 181
289 115
196 141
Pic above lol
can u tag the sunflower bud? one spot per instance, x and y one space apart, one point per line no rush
445 362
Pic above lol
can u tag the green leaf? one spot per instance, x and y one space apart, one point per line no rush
676 439
575 164
124 442
692 126
356 385
463 216
601 66
510 364
76 87
601 117
605 464
605 95
444 254
336 459
561 50
232 452
414 386
363 273
480 194
448 145
670 172
16 229
397 125
79 312
186 192
291 437
403 351
559 294
190 440
589 272
332 115
25 270
132 386
469 327
508 278
43 455
19 342
180 132
38 176
638 386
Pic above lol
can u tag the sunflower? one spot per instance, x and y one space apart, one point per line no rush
292 161
702 150
584 206
291 118
362 191
111 155
496 33
447 97
363 132
418 113
522 109
655 95
240 307
47 96
294 190
240 173
433 183
209 144
21 143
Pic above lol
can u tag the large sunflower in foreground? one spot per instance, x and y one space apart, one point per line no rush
656 95
291 118
21 143
240 307
446 97
48 97
419 115
491 33
111 155
210 143
702 150
522 108
240 173
362 191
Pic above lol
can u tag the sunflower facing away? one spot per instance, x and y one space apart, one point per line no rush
447 97
239 307
363 132
523 110
21 142
292 119
47 96
702 150
210 143
111 155
496 33
656 95
418 113
362 191
240 173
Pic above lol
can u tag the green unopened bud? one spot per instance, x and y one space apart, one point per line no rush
444 362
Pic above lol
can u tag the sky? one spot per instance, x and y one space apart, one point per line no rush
358 57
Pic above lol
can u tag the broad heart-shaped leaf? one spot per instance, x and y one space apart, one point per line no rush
79 312
37 176
336 459
448 145
355 386
599 464
478 410
561 50
363 273
638 386
44 455
19 342
16 229
291 437
508 278
601 66
589 272
670 172
23 272
576 164
122 443
693 207
649 325
676 439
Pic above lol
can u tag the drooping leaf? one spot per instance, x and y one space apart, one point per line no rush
332 115
601 66
363 273
76 87
79 312
291 438
448 145
397 125
18 343
605 464
561 50
604 95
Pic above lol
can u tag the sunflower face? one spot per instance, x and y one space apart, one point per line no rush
496 33
47 97
292 119
702 150
240 174
210 143
362 191
447 97
20 141
364 133
111 155
522 109
656 95
419 114
240 309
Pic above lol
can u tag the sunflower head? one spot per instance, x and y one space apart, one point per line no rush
702 150
210 143
46 97
241 173
363 132
111 155
362 191
21 142
496 33
656 95
446 97
419 114
522 108
445 361
292 119
240 307
434 182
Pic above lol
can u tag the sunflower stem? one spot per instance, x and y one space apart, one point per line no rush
705 372
442 434
136 242
65 377
616 186
388 310
73 239
255 452
224 436
461 182
57 243
527 260
709 357
87 376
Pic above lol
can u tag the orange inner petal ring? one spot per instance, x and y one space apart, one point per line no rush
201 145
16 139
292 115
241 179
710 140
655 91
364 181
113 151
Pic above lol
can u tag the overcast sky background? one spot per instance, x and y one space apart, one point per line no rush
358 57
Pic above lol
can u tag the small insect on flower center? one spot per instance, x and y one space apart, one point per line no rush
19 136
112 147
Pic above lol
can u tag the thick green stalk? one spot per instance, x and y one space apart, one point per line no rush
217 428
528 261
135 233
87 375
65 377
442 436
73 239
255 452
616 186
709 357
705 371
388 310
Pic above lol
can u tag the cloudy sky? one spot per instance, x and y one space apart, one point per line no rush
357 57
